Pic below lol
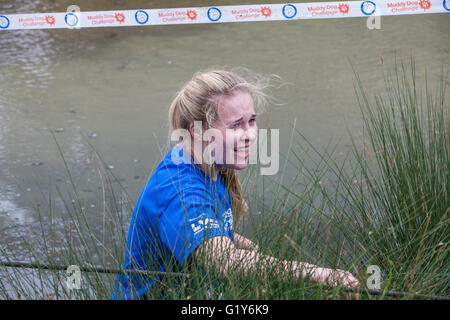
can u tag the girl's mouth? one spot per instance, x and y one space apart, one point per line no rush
242 151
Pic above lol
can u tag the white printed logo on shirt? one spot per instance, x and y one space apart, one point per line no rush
199 223
228 221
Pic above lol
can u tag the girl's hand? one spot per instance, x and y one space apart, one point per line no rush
244 243
252 246
334 277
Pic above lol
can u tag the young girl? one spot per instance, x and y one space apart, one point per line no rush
185 213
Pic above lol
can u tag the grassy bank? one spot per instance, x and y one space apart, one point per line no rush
385 204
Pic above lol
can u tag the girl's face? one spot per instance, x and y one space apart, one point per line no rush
237 125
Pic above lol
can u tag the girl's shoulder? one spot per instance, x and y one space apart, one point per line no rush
175 170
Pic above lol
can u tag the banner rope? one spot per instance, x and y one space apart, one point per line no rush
74 18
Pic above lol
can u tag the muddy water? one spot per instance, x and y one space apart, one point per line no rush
111 88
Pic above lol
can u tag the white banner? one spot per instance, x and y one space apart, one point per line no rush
219 14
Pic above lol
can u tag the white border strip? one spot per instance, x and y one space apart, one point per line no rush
220 14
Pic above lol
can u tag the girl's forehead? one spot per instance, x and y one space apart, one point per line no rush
238 105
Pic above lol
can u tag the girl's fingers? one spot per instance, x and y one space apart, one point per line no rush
346 279
352 281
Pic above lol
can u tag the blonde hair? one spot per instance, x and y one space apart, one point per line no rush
199 100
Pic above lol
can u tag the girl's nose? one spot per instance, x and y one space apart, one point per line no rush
249 134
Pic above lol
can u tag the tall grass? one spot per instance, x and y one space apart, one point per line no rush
406 174
386 204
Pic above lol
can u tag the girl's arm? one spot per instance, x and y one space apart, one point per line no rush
220 254
243 243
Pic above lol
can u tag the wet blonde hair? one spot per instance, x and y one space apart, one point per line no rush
199 100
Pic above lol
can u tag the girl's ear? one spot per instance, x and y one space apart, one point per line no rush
196 131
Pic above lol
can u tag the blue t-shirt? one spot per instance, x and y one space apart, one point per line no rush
178 209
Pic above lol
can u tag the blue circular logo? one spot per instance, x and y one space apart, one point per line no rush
289 11
71 19
446 4
4 22
141 17
368 8
214 14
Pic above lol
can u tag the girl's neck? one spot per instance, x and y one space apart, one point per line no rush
210 170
